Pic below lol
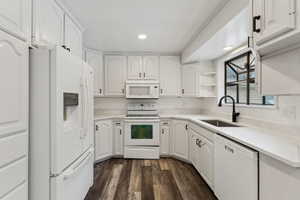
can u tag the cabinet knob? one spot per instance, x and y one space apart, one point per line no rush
97 127
182 91
100 91
144 75
161 91
120 132
140 75
163 131
186 127
123 91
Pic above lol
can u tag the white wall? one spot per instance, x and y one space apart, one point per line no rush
284 117
107 106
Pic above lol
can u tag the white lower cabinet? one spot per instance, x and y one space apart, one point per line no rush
103 140
180 139
278 181
202 155
236 171
165 138
118 139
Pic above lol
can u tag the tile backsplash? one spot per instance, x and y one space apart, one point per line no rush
106 106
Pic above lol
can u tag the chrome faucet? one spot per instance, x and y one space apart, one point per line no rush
234 114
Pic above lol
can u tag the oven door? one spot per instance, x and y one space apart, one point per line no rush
142 132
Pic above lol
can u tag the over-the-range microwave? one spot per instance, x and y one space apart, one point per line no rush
142 89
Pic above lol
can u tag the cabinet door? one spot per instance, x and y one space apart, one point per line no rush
180 139
13 117
278 17
206 157
188 81
118 139
164 140
48 23
115 75
134 68
73 37
170 76
95 60
15 17
103 140
193 148
151 67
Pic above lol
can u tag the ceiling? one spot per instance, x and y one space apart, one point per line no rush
113 25
234 34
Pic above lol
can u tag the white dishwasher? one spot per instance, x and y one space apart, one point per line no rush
236 171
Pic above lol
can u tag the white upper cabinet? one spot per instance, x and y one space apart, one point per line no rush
276 17
188 81
95 60
275 25
14 121
48 23
115 75
14 84
73 37
151 67
180 139
143 67
15 17
135 68
170 76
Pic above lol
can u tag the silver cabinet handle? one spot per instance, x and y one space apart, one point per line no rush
161 91
163 131
144 75
120 132
123 91
100 91
140 75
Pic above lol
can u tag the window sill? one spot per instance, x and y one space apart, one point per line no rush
253 106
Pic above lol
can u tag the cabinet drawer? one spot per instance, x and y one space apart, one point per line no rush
15 147
204 132
13 175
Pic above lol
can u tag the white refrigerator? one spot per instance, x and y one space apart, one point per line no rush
61 125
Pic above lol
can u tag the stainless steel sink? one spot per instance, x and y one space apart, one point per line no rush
219 123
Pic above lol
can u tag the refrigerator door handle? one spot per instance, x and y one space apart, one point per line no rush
72 172
82 107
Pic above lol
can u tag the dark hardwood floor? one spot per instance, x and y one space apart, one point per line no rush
164 179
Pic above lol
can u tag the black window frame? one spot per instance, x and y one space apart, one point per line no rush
248 80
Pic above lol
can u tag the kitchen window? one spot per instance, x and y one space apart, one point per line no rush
241 81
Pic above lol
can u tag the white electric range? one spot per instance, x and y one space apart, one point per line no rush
142 131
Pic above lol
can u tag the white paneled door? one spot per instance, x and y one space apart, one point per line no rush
134 68
95 60
15 17
48 23
13 117
73 37
276 17
170 76
151 67
115 75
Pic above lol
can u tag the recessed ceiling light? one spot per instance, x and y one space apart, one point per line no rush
142 36
228 48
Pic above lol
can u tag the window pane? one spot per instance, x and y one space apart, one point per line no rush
241 81
141 132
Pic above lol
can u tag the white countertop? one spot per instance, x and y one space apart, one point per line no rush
274 145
